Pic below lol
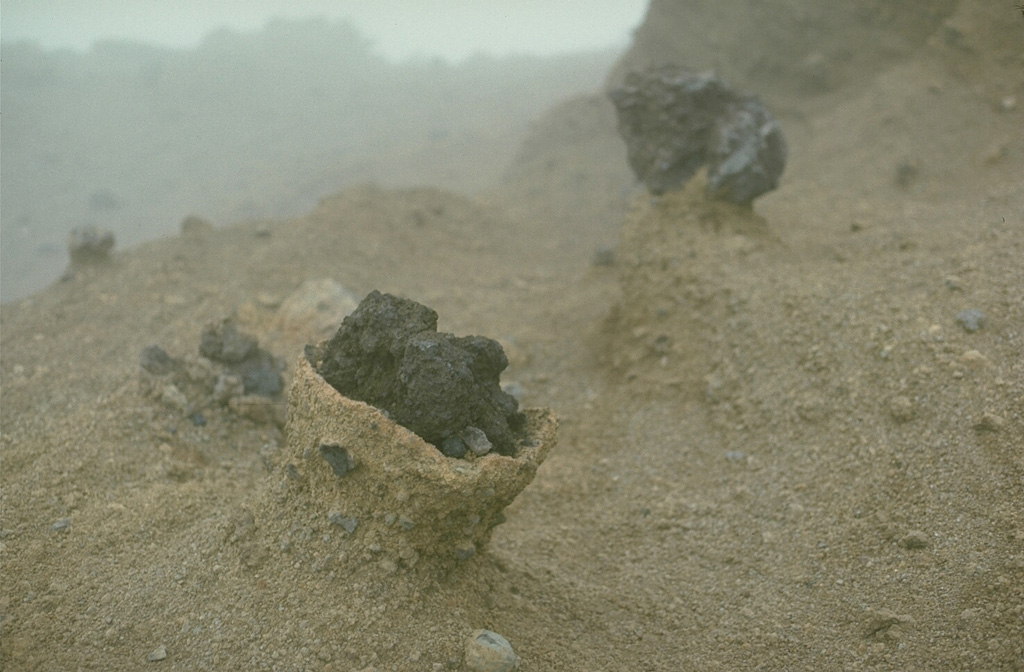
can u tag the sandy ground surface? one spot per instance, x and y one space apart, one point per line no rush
779 447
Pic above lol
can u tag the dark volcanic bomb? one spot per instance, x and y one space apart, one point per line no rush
675 121
388 353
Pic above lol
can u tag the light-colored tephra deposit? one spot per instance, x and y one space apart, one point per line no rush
391 491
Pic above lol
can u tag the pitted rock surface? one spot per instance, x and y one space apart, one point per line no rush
389 354
675 121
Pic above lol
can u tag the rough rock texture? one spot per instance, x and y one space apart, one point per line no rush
389 489
675 121
259 370
389 354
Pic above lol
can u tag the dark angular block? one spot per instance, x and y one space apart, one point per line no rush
675 121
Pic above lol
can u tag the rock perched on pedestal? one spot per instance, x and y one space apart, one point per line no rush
389 354
674 122
391 493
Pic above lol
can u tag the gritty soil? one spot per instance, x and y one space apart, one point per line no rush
778 447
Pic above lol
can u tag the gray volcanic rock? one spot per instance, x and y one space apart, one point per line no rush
259 370
675 121
389 354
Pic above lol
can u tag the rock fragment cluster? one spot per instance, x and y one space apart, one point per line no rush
231 370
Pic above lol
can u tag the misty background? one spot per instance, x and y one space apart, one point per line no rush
132 119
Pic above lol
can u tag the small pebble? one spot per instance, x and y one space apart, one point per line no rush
453 446
342 521
971 614
159 653
61 525
989 422
974 358
488 651
476 440
223 342
914 540
881 620
339 458
465 550
261 375
901 409
228 385
156 360
172 396
971 320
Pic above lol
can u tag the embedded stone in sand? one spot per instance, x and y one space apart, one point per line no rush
400 494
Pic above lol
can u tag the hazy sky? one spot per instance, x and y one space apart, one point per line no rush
449 28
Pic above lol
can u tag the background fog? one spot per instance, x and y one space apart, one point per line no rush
453 29
131 119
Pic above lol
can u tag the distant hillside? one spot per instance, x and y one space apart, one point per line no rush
133 137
